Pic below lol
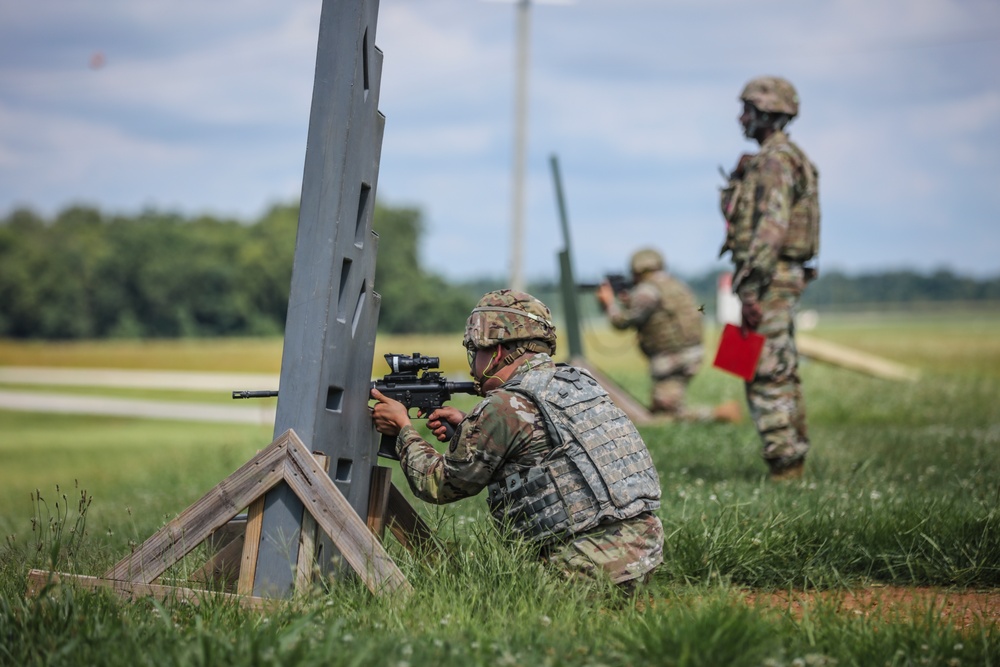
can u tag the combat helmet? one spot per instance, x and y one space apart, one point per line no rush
646 260
772 94
508 316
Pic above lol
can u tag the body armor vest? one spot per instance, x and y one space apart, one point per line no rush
740 199
598 470
676 325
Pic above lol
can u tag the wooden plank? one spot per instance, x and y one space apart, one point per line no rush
405 524
197 522
38 580
378 499
226 546
855 360
307 552
223 568
234 528
306 562
251 545
340 522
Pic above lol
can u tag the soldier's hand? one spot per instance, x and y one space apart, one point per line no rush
752 317
437 419
605 295
389 415
741 166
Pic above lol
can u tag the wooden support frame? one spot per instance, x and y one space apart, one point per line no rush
286 460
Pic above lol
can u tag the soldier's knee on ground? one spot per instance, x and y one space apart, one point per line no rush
668 398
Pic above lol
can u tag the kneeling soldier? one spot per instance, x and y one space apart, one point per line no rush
564 467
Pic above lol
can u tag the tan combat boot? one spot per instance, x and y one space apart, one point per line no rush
730 411
792 472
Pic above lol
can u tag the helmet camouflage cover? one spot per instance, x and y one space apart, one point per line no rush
504 316
645 260
772 94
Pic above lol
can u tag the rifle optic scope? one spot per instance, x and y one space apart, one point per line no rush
401 362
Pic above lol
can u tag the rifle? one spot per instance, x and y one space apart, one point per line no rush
619 283
412 382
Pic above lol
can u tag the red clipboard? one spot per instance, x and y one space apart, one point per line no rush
738 354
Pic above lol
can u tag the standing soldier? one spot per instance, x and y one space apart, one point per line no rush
668 326
771 207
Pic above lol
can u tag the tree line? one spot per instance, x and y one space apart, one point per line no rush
837 290
86 274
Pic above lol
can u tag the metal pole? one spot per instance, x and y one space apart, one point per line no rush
520 141
567 281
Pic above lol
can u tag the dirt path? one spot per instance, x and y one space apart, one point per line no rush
964 608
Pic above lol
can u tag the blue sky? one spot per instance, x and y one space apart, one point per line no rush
203 107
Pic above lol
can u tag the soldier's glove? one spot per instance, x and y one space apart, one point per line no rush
752 316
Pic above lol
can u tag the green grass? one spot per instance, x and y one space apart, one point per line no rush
902 488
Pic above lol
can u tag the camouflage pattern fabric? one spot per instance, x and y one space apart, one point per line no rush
671 372
625 551
504 434
663 311
758 209
599 471
772 94
504 316
647 259
802 238
775 394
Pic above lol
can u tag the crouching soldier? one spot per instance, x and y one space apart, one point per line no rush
563 466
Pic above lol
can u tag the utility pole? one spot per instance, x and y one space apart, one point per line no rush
520 149
520 143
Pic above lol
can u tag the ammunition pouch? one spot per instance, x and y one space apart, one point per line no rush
531 501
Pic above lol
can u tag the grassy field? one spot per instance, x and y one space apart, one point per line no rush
902 492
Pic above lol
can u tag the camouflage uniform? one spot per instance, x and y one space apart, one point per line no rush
505 435
668 325
770 243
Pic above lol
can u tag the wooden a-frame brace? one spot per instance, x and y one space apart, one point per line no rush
285 460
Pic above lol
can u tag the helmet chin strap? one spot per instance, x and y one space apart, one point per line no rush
498 363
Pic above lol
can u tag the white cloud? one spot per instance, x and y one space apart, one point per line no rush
204 106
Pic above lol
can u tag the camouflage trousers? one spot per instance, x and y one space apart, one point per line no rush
774 396
671 372
624 551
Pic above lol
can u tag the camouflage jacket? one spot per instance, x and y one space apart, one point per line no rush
759 211
663 312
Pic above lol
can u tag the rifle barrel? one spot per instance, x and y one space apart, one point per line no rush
254 394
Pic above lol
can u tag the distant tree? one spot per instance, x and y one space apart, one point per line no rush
265 268
158 274
835 288
413 300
